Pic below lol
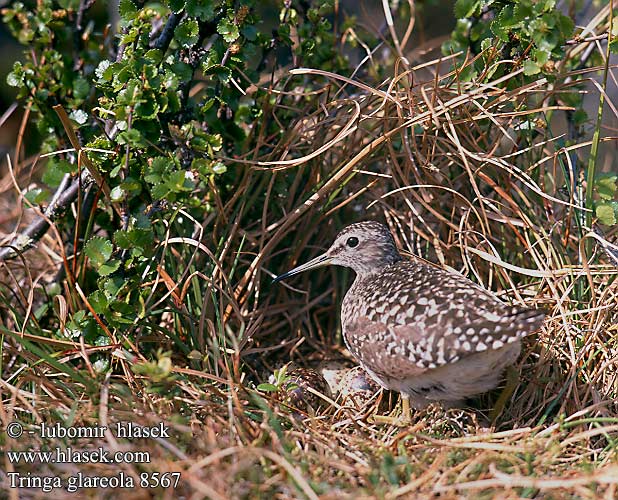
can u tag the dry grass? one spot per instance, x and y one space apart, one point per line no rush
448 165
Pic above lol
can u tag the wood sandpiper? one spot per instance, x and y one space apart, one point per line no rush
430 334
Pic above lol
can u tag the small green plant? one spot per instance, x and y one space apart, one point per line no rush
606 208
279 382
159 375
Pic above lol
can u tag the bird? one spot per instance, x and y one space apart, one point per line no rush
430 334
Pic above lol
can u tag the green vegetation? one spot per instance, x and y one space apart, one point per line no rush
190 150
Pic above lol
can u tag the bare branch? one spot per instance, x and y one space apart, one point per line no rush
63 197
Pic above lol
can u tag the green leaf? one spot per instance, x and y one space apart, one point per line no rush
523 11
134 238
183 71
542 34
466 8
531 67
132 137
112 286
187 32
155 56
201 165
109 267
202 9
176 6
81 88
580 117
606 213
267 387
250 32
223 73
159 166
486 44
98 250
101 70
131 185
540 56
37 196
127 9
206 105
291 386
566 25
15 77
504 23
313 16
219 168
467 73
148 108
56 170
606 186
124 313
544 6
228 30
98 301
160 191
215 141
325 9
179 181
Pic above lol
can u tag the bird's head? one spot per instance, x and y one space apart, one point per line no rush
366 247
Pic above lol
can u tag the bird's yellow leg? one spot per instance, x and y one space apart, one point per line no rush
512 378
406 414
402 420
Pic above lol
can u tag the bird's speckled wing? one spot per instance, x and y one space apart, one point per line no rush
382 349
430 318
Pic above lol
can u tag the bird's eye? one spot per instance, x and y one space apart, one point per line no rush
352 241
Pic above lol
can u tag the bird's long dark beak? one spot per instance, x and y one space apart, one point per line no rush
319 261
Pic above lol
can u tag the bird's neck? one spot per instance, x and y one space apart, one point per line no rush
365 270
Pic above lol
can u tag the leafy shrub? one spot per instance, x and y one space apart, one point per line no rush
159 109
528 33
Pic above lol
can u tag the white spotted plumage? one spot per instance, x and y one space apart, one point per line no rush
429 333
